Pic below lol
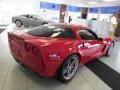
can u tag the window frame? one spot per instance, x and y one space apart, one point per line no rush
89 31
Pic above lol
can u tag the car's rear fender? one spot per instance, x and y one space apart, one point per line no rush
63 52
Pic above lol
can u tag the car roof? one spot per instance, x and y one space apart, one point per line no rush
29 14
74 27
79 27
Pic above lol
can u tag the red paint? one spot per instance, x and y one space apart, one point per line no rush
45 55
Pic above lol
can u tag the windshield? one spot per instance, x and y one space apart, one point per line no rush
55 31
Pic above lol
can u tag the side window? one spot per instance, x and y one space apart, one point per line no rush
29 16
34 17
87 35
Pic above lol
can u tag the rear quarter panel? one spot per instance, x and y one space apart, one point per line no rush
63 50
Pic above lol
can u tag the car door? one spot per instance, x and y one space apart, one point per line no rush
28 20
33 21
36 21
92 46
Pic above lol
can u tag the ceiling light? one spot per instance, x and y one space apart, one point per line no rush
80 4
61 1
92 2
109 0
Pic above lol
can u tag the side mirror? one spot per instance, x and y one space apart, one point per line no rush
101 39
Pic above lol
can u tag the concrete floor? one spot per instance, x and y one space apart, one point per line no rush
14 77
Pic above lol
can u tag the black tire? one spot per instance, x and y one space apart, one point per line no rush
109 51
62 71
44 23
20 23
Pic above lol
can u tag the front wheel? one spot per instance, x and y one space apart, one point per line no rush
110 49
68 68
18 23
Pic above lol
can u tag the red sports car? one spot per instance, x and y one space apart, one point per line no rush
57 49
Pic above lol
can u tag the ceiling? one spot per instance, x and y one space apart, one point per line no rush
86 3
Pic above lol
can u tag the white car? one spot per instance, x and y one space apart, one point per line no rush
29 20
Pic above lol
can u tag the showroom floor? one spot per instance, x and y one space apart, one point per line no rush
14 77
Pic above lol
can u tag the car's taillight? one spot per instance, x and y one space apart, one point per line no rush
28 47
35 51
31 48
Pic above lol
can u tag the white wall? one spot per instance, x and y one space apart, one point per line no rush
74 16
21 6
92 15
10 8
50 14
102 17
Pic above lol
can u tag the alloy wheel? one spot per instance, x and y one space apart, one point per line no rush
70 68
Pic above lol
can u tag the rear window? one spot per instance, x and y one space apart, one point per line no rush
55 31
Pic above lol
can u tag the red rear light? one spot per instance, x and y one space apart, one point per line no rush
35 51
28 47
31 48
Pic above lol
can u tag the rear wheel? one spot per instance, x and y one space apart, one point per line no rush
110 49
18 23
68 68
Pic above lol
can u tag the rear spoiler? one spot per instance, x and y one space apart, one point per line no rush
12 35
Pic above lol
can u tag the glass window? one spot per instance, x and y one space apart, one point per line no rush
28 16
87 35
56 31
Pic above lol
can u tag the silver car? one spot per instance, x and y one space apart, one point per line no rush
29 20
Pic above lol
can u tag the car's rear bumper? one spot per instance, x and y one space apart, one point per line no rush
33 56
43 68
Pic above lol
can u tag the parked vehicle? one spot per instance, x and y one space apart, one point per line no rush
29 20
57 49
